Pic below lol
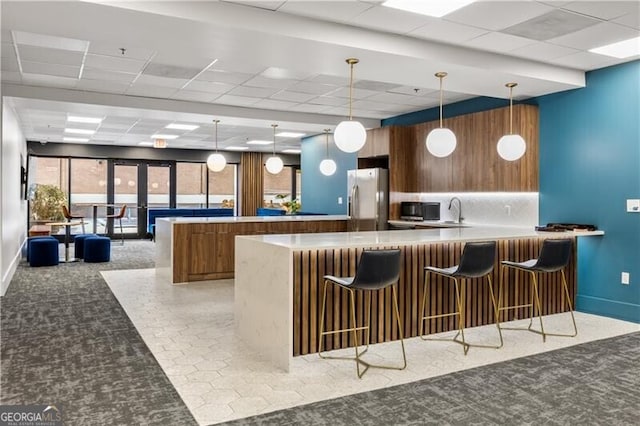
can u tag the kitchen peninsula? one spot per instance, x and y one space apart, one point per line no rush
202 248
278 284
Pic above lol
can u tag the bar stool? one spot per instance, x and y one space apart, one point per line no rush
67 215
376 270
119 216
476 262
554 256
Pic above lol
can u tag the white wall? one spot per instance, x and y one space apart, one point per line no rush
13 210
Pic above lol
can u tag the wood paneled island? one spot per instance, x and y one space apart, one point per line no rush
278 284
202 248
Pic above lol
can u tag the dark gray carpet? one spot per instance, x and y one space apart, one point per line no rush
66 340
596 383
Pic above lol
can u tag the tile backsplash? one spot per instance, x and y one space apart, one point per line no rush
487 208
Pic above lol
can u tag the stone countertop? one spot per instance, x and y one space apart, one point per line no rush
431 223
247 219
408 237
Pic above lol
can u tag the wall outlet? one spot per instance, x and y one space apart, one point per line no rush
633 206
339 200
624 278
507 209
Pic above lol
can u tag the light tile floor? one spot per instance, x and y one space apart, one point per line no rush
190 331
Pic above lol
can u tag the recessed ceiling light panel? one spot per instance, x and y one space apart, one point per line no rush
160 136
621 49
290 134
291 151
436 8
259 142
80 131
237 148
178 126
79 119
69 139
145 143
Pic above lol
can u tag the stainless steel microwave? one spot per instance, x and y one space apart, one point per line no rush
415 210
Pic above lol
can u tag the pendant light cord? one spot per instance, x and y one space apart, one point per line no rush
274 138
216 123
510 110
351 92
441 77
326 142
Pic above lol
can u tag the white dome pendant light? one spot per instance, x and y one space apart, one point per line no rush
441 142
274 163
327 166
216 161
511 147
350 135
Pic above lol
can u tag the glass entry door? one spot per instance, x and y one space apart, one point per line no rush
140 185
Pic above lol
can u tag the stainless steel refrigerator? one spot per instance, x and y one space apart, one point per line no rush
368 191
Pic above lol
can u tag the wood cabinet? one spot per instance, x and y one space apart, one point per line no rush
206 251
380 141
474 166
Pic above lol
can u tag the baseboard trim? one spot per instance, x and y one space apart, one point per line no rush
608 308
6 279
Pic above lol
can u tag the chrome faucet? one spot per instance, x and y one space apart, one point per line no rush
460 218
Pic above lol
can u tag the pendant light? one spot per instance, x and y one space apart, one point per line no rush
511 147
216 161
327 166
441 142
350 135
274 163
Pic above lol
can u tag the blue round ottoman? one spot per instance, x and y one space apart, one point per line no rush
97 249
78 244
43 252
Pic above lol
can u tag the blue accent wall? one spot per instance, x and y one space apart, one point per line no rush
589 166
319 192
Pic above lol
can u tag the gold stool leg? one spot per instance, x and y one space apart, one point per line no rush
461 318
566 292
495 310
322 311
534 282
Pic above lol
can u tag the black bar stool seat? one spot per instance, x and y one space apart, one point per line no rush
376 270
477 261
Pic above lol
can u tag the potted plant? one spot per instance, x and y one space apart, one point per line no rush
292 206
46 204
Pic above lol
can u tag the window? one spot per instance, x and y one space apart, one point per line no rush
222 187
274 185
50 180
191 191
88 187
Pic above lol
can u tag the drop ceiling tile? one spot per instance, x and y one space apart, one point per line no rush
338 11
328 100
110 49
253 92
224 77
285 95
329 79
312 88
48 80
585 61
118 120
273 104
211 87
260 81
496 15
397 98
50 69
343 92
370 105
389 20
596 36
410 90
262 4
191 95
54 42
309 108
151 91
102 86
171 71
112 63
8 50
236 100
10 63
629 20
48 55
98 74
550 25
447 31
542 51
152 80
286 74
606 10
377 86
242 63
498 42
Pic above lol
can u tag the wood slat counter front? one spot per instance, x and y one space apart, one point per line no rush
278 284
200 248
